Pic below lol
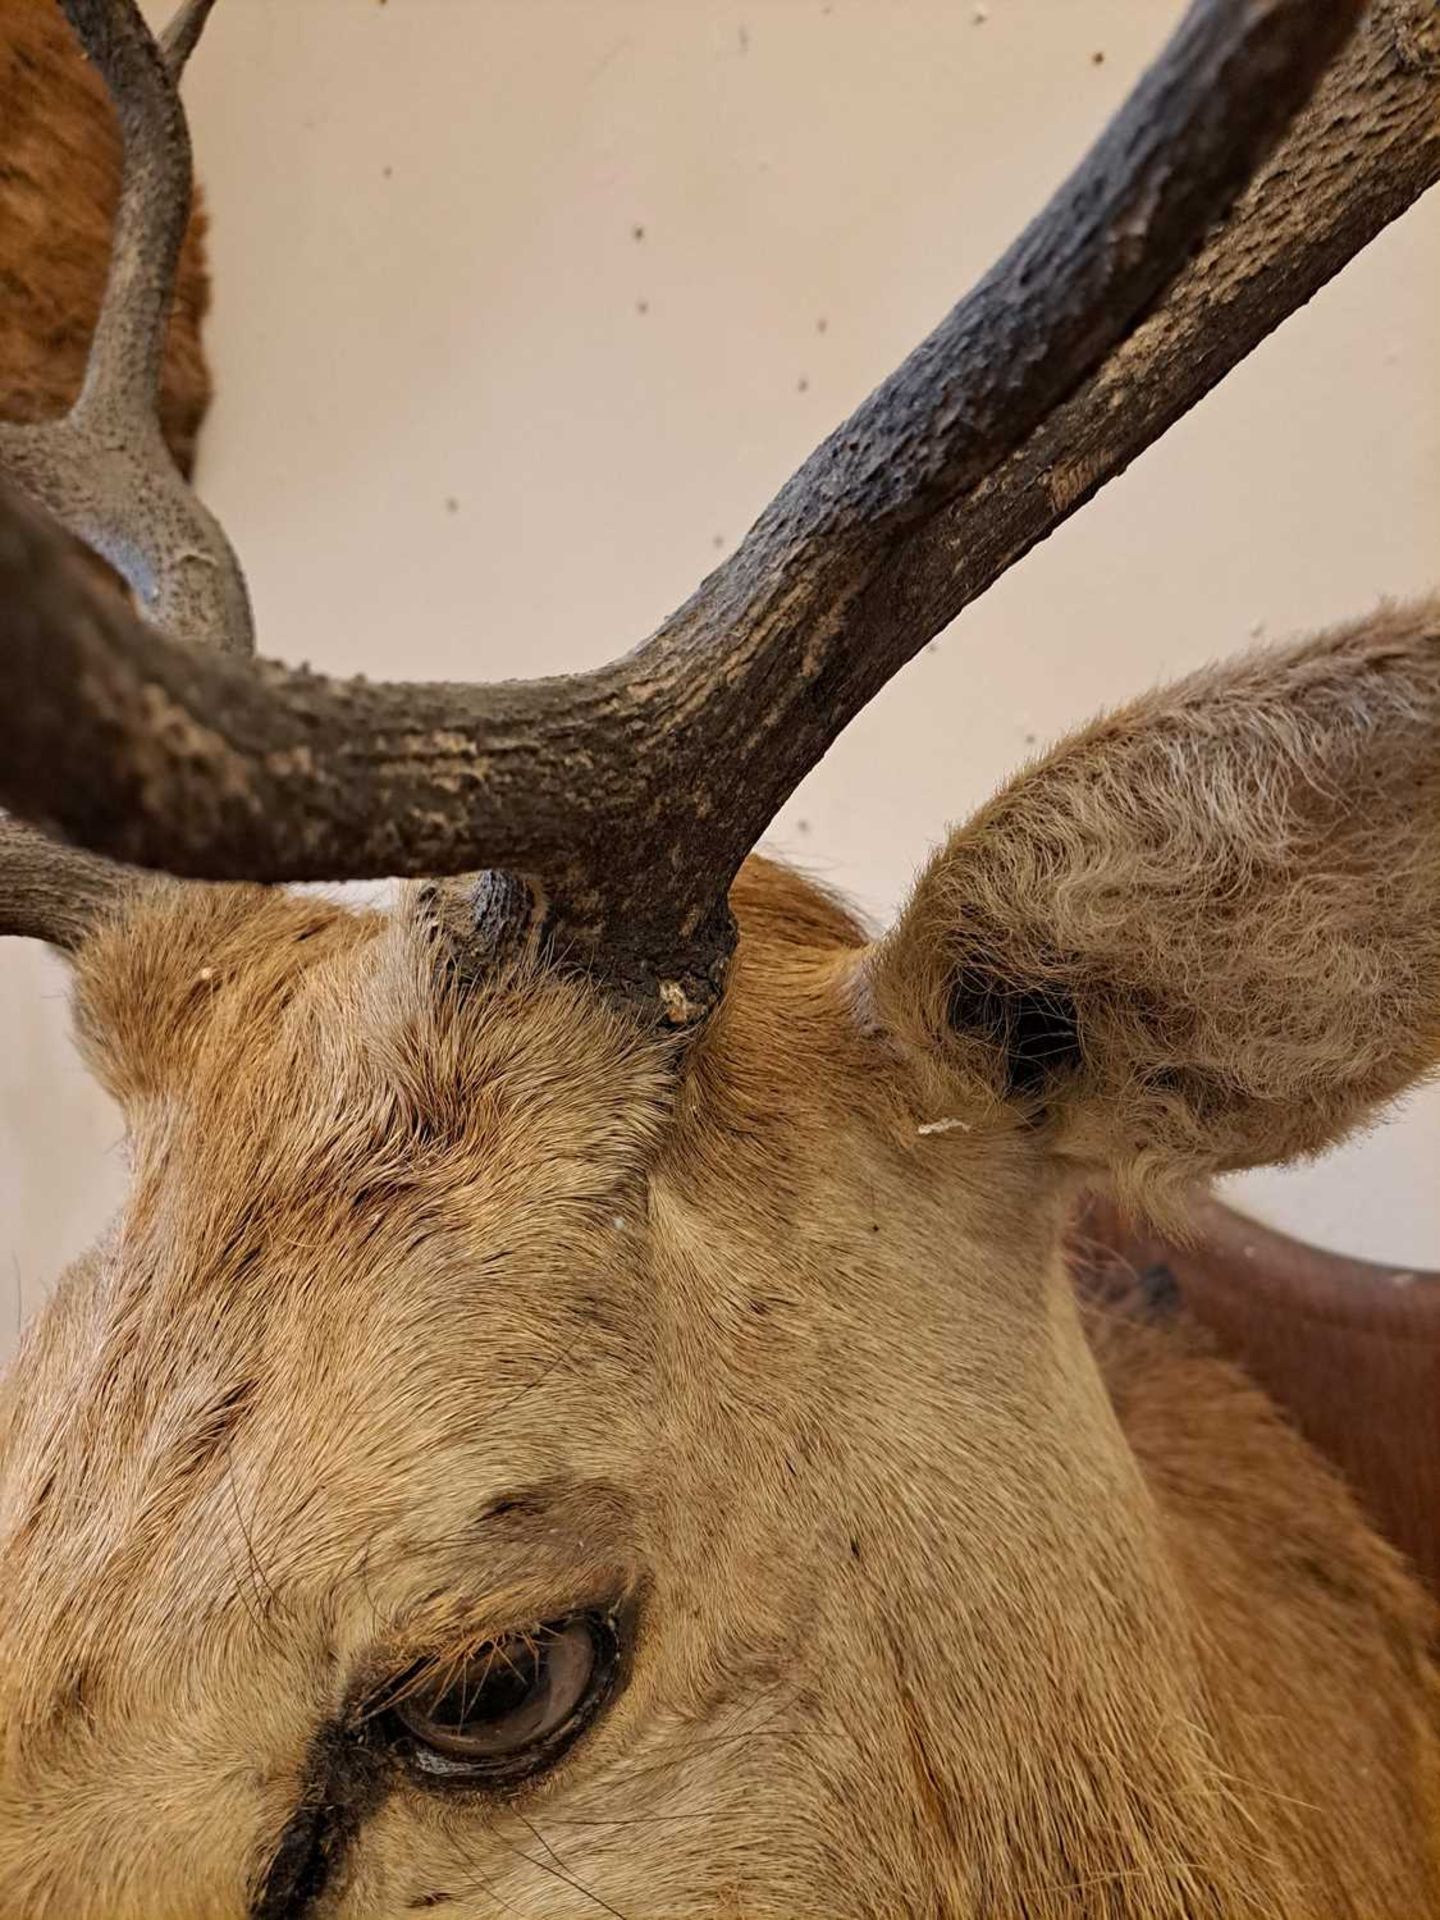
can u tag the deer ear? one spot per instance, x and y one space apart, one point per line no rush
1205 933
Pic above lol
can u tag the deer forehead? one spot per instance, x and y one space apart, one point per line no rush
392 1252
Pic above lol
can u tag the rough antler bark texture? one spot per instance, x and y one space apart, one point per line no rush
633 793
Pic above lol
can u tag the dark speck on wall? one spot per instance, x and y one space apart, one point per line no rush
637 232
452 505
821 324
1097 59
802 385
642 306
744 39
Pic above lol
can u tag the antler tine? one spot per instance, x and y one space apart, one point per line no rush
181 37
1365 150
54 893
104 470
634 792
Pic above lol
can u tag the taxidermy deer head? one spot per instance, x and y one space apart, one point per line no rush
583 1411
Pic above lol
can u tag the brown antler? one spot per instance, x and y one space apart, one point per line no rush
104 470
52 892
632 793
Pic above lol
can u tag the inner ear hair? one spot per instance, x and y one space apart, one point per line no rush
1034 1030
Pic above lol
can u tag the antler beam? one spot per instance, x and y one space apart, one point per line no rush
633 793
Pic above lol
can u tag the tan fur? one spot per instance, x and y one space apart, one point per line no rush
949 1603
926 1627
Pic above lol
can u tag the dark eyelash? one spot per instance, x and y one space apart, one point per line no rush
440 1669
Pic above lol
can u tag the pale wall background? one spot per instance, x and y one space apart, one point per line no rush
525 307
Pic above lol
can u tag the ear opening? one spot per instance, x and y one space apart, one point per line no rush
1035 1031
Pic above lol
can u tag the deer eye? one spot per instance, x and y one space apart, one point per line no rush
509 1708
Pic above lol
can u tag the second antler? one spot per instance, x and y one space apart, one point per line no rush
628 796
